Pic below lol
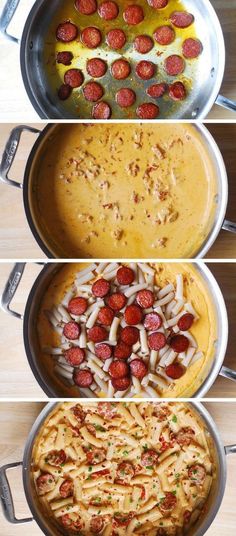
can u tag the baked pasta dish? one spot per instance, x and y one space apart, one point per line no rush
115 468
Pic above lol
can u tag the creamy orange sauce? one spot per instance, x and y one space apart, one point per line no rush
124 191
195 290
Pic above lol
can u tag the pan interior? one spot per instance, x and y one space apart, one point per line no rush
42 78
212 504
127 191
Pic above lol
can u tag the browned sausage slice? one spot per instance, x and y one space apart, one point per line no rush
96 67
147 110
95 455
158 4
164 35
125 471
186 322
117 301
100 288
133 14
97 334
106 315
108 10
121 384
66 489
101 110
149 458
177 91
179 343
97 524
71 330
74 78
129 335
174 65
93 91
45 483
120 69
118 369
103 351
152 321
125 97
143 44
138 368
122 350
157 90
156 340
74 356
67 32
145 69
133 315
168 503
77 306
83 378
125 275
181 19
91 37
145 298
197 473
65 57
192 48
64 92
86 7
116 38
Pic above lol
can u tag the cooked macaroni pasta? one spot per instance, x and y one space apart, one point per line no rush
123 468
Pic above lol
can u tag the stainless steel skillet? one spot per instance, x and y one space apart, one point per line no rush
208 74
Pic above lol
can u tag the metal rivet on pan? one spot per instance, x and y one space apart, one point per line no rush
216 199
31 45
212 71
195 112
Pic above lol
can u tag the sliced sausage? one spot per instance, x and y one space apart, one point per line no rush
120 70
95 456
174 65
74 356
45 483
185 322
64 57
96 67
153 321
147 110
118 369
168 503
86 7
125 275
91 37
133 315
71 330
129 335
116 39
107 409
138 368
181 19
106 315
149 458
125 471
101 288
158 4
108 10
197 473
121 384
143 44
185 436
161 412
133 14
157 90
177 91
156 340
64 92
145 298
97 524
66 489
101 110
117 301
83 378
121 519
175 371
164 35
77 306
71 524
103 351
78 413
67 32
56 457
145 69
122 350
74 78
192 48
125 97
179 343
97 334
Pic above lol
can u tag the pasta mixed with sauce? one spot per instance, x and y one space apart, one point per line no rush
123 468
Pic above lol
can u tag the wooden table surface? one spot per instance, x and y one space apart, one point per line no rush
12 442
16 240
14 102
16 378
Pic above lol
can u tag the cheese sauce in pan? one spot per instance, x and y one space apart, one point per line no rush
127 190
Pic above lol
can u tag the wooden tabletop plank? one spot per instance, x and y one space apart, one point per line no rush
16 378
14 102
16 420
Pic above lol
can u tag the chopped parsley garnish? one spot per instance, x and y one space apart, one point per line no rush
150 467
99 428
90 469
174 418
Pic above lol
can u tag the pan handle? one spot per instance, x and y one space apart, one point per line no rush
230 449
228 373
5 18
229 226
226 103
10 153
11 287
6 495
